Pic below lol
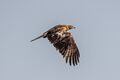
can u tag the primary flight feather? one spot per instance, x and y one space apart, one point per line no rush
63 41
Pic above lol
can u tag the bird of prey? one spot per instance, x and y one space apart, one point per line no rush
63 41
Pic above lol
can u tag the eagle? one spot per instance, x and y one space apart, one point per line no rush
60 37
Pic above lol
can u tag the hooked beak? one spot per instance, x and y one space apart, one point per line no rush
74 27
77 28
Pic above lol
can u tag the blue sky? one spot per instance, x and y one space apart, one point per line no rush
97 36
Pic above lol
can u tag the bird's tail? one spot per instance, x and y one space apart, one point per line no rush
43 35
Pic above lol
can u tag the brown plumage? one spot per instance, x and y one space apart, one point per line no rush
63 41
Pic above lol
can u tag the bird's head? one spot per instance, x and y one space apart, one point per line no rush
70 27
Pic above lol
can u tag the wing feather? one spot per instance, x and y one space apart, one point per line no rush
66 46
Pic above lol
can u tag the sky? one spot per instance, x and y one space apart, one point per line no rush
97 37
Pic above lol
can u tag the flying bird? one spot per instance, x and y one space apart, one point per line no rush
63 41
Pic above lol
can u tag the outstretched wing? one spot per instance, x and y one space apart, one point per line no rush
66 45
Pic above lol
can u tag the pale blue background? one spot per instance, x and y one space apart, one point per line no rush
97 37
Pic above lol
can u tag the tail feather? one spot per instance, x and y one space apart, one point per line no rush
43 35
37 38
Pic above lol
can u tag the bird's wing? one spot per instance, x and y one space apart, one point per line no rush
66 45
